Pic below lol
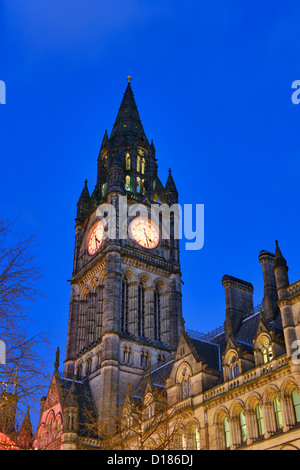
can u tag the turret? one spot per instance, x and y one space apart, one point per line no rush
286 310
239 301
171 192
270 308
83 204
25 433
281 273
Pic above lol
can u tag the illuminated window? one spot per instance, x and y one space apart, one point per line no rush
143 166
259 419
127 161
243 426
278 414
267 351
234 367
296 402
138 163
226 432
197 439
138 185
103 189
127 183
104 161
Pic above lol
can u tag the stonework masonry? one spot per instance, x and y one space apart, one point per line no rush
129 357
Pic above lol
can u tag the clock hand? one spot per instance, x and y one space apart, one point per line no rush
147 238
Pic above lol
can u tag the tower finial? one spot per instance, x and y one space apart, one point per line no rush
56 363
129 78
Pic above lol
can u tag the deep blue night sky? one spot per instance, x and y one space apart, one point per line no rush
212 81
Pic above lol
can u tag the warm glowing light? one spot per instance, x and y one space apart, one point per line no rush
144 232
95 238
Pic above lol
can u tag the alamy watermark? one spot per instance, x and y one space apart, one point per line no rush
2 352
296 353
2 92
174 222
296 94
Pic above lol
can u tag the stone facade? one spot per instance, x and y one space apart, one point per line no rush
236 387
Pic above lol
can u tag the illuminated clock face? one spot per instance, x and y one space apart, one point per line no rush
95 238
144 232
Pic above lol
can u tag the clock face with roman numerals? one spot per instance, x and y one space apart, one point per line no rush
144 232
95 238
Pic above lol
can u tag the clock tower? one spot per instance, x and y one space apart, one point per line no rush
125 308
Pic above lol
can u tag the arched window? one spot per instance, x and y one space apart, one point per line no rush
234 367
127 183
181 441
226 430
267 351
142 359
185 383
89 366
79 372
138 185
124 305
99 357
138 164
296 403
143 166
278 414
243 426
127 161
193 437
141 310
259 420
157 308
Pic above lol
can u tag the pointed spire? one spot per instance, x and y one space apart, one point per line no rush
72 400
128 124
279 260
170 185
56 363
85 195
25 433
182 323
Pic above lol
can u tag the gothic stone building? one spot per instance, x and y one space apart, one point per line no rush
234 388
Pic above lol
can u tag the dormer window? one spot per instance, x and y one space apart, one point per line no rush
185 383
234 367
267 351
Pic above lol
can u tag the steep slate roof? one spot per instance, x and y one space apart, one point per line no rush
209 352
75 393
128 124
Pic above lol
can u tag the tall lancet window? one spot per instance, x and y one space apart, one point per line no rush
124 305
157 308
127 160
141 310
